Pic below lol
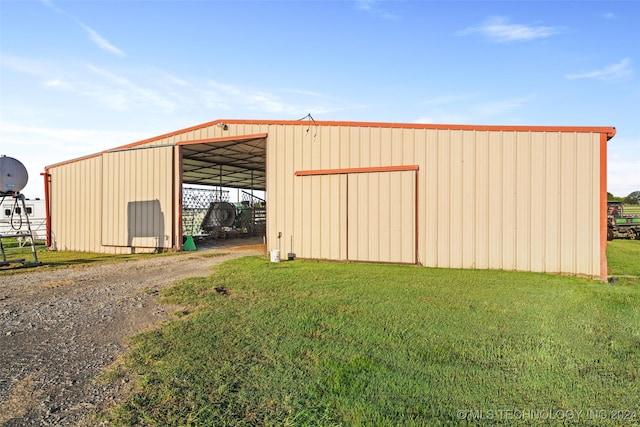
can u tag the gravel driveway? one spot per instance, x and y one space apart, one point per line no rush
60 328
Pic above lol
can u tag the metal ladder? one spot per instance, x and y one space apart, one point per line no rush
19 234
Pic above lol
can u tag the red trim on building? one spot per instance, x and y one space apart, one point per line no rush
357 170
610 131
225 139
47 204
603 205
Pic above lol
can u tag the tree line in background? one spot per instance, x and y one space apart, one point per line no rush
632 199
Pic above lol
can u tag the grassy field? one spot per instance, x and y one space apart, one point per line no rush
329 344
632 209
623 259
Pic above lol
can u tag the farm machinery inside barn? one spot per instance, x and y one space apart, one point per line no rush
209 214
620 225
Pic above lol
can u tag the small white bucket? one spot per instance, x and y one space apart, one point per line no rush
275 255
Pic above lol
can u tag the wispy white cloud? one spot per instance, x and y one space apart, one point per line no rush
57 83
121 94
23 65
364 4
445 100
40 146
89 139
372 7
255 99
500 30
500 108
614 72
117 92
224 88
303 92
157 92
472 109
195 102
93 35
284 102
173 80
444 109
101 42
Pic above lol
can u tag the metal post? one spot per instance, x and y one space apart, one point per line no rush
220 183
26 215
19 234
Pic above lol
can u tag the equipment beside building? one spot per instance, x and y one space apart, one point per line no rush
13 217
619 225
16 213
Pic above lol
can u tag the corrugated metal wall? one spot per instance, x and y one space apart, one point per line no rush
498 199
381 217
320 233
118 202
75 203
516 199
513 200
363 216
137 198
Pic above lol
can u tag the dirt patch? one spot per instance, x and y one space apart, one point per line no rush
258 248
21 396
57 283
59 330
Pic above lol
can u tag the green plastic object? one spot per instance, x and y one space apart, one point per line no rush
189 244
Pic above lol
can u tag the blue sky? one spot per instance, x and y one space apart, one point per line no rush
79 76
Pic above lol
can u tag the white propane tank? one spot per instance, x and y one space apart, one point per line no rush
13 175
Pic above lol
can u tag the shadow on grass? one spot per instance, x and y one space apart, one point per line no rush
624 280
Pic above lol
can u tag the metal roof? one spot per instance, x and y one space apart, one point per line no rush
237 162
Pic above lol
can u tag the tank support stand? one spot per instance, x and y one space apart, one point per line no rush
19 234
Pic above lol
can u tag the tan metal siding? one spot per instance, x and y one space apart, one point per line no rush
137 201
426 153
514 200
507 206
322 232
567 214
587 200
311 212
553 197
75 206
482 203
495 221
468 212
381 217
523 201
537 177
281 199
294 198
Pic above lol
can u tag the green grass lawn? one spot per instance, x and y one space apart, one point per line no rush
623 259
347 344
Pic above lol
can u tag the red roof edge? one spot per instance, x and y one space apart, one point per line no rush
609 131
